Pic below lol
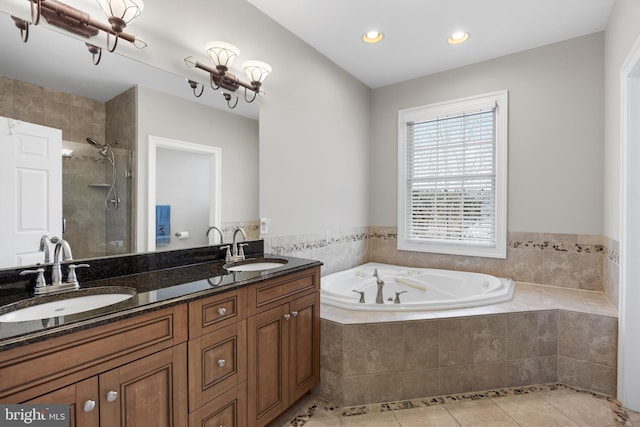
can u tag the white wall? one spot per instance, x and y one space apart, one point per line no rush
555 133
622 32
166 116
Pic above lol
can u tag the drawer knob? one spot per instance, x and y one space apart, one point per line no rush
294 313
89 405
222 311
112 396
287 316
222 362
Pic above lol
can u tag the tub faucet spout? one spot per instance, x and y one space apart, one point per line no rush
380 282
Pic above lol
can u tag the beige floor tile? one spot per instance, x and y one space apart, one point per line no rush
633 416
324 422
432 416
479 413
379 419
532 410
582 408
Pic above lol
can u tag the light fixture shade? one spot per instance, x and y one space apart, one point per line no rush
257 71
221 53
127 10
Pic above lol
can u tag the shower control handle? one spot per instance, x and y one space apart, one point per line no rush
397 300
361 296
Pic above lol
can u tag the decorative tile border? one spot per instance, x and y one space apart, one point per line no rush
543 241
619 413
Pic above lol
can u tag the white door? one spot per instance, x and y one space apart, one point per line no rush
30 190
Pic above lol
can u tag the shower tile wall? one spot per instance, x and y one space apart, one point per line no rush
78 117
121 133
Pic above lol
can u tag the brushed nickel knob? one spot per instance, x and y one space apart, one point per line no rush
287 316
89 405
112 396
294 313
221 363
222 311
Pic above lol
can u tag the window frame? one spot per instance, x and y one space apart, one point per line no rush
448 108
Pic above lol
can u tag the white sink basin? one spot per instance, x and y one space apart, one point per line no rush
258 264
64 307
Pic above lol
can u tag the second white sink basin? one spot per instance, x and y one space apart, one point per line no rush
64 307
257 264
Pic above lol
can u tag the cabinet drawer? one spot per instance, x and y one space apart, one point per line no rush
36 368
271 293
217 362
209 314
229 410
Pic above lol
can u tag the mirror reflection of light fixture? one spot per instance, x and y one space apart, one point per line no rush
61 15
223 55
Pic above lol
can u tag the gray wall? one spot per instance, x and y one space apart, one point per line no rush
555 133
166 116
314 141
622 32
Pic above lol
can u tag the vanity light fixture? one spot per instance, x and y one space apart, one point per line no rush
119 14
223 55
458 37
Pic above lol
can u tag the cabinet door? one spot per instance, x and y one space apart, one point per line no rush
150 392
82 399
304 344
217 362
268 364
228 410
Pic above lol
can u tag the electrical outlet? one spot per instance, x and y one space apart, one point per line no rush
264 226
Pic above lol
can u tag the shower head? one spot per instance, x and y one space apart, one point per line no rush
102 148
94 142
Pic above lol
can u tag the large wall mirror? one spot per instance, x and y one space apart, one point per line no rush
106 114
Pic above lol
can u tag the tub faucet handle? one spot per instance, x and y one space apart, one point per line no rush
361 296
397 300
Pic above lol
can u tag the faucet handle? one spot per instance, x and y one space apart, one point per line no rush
71 277
361 296
40 281
227 257
397 300
241 249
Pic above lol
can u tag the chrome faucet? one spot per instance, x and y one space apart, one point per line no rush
56 285
213 227
45 242
237 248
56 272
380 282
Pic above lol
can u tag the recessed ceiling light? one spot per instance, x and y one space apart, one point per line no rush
372 37
458 37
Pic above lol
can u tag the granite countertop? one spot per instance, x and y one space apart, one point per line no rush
153 290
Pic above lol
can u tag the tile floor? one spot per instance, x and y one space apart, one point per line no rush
536 406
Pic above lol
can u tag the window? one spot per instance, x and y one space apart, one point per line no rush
452 177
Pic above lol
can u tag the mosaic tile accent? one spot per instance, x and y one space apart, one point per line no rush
620 416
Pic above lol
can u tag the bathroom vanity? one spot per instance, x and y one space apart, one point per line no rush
196 346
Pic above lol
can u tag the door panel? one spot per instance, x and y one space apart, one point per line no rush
32 185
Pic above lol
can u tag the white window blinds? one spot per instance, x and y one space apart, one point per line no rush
451 178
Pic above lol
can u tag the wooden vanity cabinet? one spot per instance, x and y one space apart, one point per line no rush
283 340
218 360
239 358
132 372
82 398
